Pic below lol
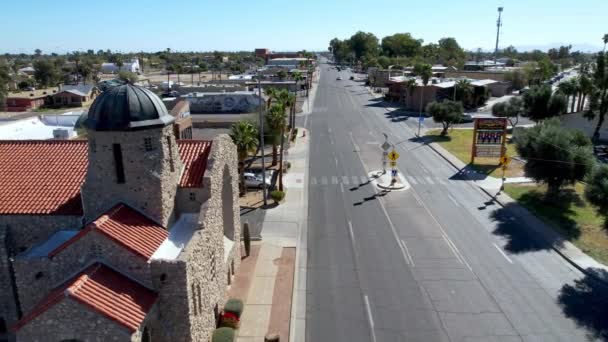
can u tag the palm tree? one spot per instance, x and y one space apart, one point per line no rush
244 134
425 72
297 76
586 86
605 38
568 88
410 86
275 121
270 94
290 103
463 89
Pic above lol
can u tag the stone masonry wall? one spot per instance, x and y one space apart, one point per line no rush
150 179
58 323
185 204
36 277
8 308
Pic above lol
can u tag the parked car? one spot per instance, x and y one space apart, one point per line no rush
339 78
255 181
352 78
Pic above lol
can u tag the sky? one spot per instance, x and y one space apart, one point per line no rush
288 25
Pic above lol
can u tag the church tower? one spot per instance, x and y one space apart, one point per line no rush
133 155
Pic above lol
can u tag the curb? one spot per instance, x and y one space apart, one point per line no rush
583 270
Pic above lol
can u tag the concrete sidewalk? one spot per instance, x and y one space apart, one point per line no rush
284 227
563 247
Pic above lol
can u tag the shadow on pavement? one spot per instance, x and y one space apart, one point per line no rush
586 302
520 239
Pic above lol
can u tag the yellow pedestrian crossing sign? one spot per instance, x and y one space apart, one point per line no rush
504 160
393 155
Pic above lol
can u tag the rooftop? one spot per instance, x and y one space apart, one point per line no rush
103 290
125 226
40 127
33 94
44 177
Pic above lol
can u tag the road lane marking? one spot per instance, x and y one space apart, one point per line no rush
336 160
370 318
453 200
341 187
364 179
313 181
445 238
324 180
503 253
407 252
345 180
412 180
350 231
442 182
355 179
334 180
329 129
429 180
350 134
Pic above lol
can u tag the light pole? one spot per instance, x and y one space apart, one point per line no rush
262 139
420 113
498 25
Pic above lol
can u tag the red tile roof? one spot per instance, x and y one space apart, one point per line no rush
104 290
194 155
44 177
127 227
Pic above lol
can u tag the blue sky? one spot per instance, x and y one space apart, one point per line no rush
204 25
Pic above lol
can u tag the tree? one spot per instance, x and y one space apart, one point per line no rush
4 79
297 76
46 73
270 93
569 88
463 91
425 72
127 76
38 52
540 103
281 74
596 190
244 135
517 78
586 87
598 97
555 155
450 52
363 44
605 39
275 121
401 44
511 110
446 113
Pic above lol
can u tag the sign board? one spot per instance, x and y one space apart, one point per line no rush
393 173
504 160
489 138
385 146
393 155
393 164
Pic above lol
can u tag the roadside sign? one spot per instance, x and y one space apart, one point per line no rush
385 146
393 155
394 173
393 164
504 160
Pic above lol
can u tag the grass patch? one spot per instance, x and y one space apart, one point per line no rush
571 215
459 142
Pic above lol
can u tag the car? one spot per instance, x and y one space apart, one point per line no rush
466 118
352 78
255 181
339 78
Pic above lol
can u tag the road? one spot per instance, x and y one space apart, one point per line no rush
438 262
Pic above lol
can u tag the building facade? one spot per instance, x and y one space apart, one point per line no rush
131 235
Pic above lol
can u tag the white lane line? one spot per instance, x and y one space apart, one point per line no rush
334 180
429 180
442 182
453 200
345 180
341 187
313 181
355 179
407 252
331 141
370 318
353 141
336 160
447 242
364 179
329 129
412 180
324 180
350 231
503 253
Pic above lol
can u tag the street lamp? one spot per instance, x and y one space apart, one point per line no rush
498 25
264 192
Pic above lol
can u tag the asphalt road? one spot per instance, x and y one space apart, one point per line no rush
438 262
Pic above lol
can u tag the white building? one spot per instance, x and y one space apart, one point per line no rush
111 68
41 127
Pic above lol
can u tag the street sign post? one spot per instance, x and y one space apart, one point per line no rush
393 155
393 164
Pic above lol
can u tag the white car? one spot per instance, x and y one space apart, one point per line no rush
252 180
339 78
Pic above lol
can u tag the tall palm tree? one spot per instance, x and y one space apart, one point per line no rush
586 86
275 121
605 39
425 72
290 103
463 90
271 95
568 88
297 76
244 134
410 86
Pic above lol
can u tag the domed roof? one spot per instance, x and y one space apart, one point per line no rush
127 107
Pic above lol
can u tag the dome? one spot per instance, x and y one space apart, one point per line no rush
127 107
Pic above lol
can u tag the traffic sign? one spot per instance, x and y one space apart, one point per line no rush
385 146
393 164
504 160
394 173
393 155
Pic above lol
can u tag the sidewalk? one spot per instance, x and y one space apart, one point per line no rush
276 299
563 247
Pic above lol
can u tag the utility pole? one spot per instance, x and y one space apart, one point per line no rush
262 140
498 25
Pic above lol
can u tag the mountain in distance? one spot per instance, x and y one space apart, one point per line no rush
584 47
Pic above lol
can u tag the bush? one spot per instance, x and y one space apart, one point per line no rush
235 306
223 334
229 320
277 195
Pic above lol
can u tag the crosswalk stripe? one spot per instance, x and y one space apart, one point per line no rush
429 180
324 180
364 179
334 180
355 179
412 179
345 180
442 182
313 181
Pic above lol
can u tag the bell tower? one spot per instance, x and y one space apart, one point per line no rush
133 155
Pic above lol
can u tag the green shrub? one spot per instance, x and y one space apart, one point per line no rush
277 195
223 334
229 320
235 306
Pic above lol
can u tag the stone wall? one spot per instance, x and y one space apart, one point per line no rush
29 230
36 277
58 323
8 307
151 177
187 203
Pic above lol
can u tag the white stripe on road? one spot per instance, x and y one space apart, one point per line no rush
429 180
350 231
503 253
313 181
412 180
334 180
324 180
448 242
355 179
407 253
364 179
453 200
345 180
336 160
442 182
341 187
370 318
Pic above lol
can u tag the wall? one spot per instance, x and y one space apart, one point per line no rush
150 184
29 230
224 103
58 323
477 75
67 263
8 307
183 202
